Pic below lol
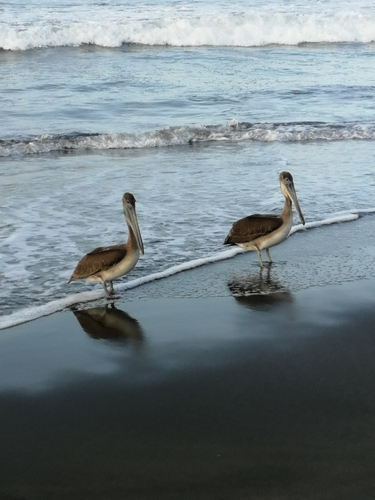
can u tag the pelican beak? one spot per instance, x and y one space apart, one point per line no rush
131 217
293 196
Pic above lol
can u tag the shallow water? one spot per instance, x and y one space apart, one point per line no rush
197 128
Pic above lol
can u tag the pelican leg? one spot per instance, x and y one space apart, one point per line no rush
268 256
111 289
107 293
259 257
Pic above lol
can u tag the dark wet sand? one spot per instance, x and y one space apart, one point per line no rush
245 396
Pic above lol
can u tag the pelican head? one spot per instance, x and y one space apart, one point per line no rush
288 190
128 203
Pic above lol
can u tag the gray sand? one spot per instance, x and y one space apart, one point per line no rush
217 383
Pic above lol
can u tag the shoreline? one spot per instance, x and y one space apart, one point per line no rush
96 294
219 382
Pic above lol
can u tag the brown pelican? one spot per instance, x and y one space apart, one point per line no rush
104 264
260 231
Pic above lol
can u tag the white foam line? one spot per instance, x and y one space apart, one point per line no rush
344 217
360 211
29 314
179 268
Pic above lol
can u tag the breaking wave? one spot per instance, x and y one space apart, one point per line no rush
246 29
177 136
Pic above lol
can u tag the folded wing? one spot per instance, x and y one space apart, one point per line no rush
252 227
100 259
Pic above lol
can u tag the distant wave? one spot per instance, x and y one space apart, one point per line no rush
32 313
249 29
176 136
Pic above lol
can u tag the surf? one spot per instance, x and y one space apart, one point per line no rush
31 313
251 28
232 131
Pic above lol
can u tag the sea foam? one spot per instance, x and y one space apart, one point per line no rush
232 131
247 29
32 313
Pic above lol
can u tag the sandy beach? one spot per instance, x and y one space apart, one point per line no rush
222 382
205 378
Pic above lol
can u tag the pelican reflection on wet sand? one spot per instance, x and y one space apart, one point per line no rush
109 323
105 264
262 231
260 292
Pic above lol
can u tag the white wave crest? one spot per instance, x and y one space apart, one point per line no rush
31 313
176 136
249 29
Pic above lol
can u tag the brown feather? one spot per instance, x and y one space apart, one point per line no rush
252 227
100 259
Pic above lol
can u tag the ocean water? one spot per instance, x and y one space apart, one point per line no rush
193 107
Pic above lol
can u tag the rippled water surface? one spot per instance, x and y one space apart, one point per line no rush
179 106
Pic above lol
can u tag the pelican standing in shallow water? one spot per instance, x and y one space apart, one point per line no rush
262 231
105 264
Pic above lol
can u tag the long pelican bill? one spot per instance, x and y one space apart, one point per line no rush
131 217
293 196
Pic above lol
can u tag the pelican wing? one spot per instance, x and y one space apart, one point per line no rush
252 227
100 259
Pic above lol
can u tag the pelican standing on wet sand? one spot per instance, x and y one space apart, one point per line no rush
260 231
105 264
